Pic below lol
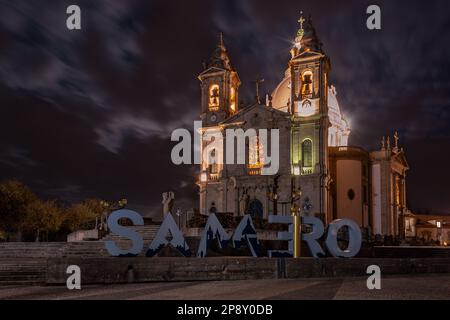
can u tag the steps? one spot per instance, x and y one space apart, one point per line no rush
30 249
23 271
83 249
26 262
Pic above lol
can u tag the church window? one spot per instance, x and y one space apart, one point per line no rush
397 191
232 100
213 166
307 83
307 153
351 194
214 95
255 153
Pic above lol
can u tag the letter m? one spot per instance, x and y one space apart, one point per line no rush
240 135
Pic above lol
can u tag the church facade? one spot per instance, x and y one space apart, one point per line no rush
319 172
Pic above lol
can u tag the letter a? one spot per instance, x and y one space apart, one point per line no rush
73 22
181 153
374 281
374 20
74 281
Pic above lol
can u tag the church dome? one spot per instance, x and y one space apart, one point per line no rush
281 96
340 128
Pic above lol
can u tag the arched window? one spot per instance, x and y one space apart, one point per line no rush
213 165
255 153
233 100
307 153
307 83
214 96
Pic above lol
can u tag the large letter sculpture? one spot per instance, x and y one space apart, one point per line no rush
312 237
116 228
246 231
283 235
168 234
213 230
354 238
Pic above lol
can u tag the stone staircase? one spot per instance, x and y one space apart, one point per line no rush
14 250
26 262
23 271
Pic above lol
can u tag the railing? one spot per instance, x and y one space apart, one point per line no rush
214 177
254 172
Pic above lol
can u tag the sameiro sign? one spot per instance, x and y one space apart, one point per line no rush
244 233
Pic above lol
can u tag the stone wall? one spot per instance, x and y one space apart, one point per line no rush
128 270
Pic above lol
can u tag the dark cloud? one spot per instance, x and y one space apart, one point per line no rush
89 113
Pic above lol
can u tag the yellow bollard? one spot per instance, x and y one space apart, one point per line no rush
297 231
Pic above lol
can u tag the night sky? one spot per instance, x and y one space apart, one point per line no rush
89 113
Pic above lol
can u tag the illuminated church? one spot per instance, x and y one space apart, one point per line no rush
318 171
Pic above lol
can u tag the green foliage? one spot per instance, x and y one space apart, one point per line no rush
22 212
42 216
78 215
14 198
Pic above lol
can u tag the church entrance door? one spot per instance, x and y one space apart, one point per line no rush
255 209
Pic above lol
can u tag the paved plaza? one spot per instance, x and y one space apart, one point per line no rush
393 287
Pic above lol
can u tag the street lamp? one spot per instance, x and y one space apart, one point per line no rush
295 211
273 194
179 214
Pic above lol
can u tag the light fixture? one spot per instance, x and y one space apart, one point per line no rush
203 177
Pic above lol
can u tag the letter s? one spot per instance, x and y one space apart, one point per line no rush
116 228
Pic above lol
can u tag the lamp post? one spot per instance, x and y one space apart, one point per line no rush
439 231
273 194
108 208
179 213
295 211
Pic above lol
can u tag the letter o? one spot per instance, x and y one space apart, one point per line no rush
354 238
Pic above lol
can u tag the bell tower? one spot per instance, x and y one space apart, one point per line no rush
219 88
309 68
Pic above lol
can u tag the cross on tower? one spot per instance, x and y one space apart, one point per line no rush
301 20
257 82
221 39
396 138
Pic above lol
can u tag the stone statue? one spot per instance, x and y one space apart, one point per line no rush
168 201
396 138
243 203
